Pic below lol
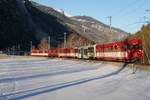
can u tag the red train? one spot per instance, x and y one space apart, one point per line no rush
129 50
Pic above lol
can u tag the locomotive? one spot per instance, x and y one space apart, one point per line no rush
128 51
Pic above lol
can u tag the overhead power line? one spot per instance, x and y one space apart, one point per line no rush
129 5
140 6
127 12
128 25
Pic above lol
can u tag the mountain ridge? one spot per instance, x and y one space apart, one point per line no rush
29 21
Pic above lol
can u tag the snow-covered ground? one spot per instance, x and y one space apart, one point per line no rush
61 79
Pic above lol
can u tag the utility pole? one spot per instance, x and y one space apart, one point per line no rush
49 42
65 39
148 10
110 28
143 49
13 50
110 22
144 18
84 30
8 50
18 49
31 46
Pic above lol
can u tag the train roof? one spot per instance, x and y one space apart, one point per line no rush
131 42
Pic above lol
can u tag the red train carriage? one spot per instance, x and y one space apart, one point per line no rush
67 52
124 50
53 53
39 53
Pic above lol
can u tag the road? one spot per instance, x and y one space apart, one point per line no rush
29 78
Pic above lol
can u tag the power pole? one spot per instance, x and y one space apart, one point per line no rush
65 39
49 43
18 49
143 49
144 18
31 46
8 51
84 30
110 28
110 22
148 10
13 50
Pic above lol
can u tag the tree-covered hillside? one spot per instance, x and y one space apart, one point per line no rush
144 34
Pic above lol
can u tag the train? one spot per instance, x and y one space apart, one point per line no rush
127 51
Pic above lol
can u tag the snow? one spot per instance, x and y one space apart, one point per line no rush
61 79
83 20
63 12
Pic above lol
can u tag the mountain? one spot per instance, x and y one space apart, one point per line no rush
22 21
63 12
144 35
86 26
98 31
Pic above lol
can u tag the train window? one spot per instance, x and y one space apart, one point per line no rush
76 50
107 49
126 47
129 47
85 51
140 46
137 46
91 49
133 46
111 47
65 51
99 50
115 47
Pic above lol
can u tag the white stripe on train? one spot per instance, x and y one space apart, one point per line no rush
112 54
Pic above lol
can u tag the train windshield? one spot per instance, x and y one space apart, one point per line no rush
137 46
140 46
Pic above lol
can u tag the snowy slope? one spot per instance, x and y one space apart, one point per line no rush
63 12
60 79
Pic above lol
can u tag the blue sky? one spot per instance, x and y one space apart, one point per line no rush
126 14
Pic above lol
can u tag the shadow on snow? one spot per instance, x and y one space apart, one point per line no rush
33 92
